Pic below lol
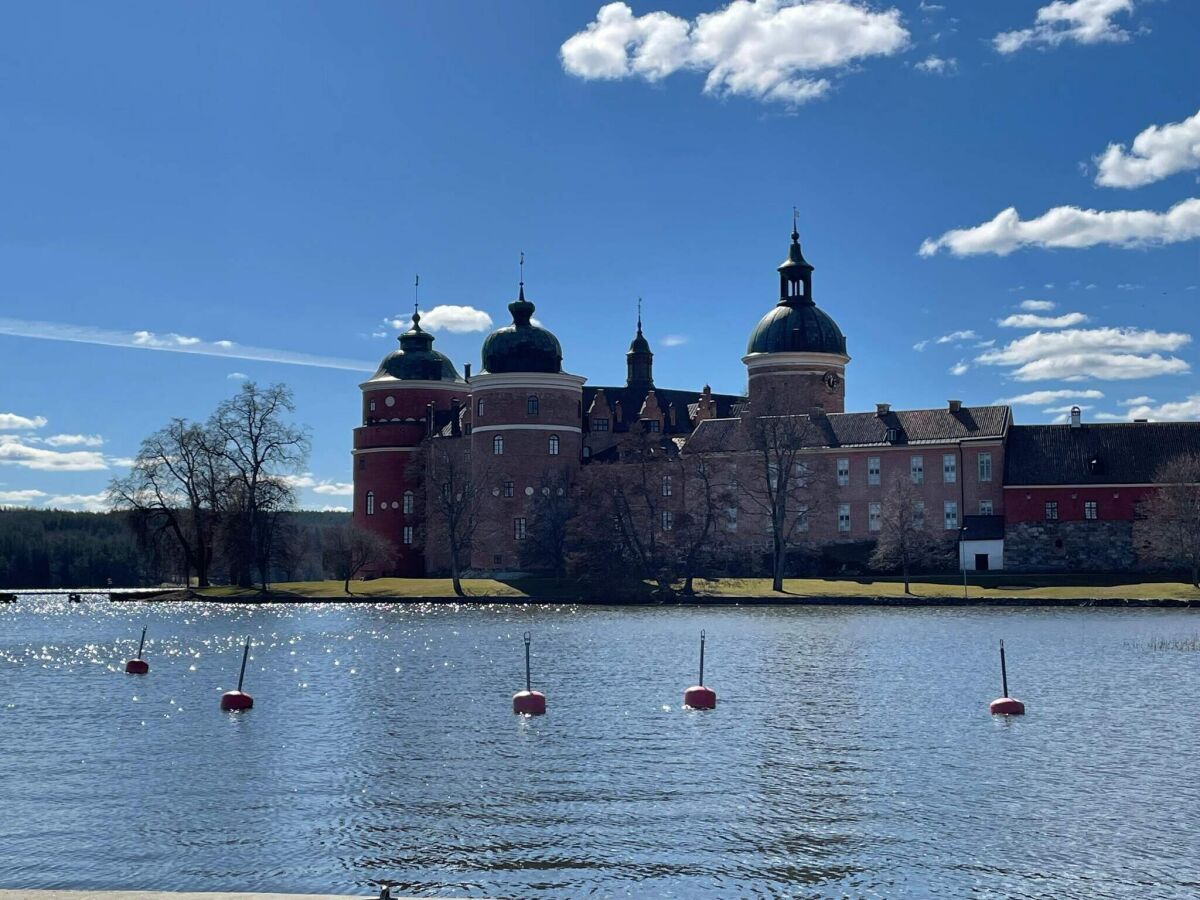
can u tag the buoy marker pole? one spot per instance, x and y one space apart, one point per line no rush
245 656
1005 705
528 683
529 702
698 696
701 682
141 644
234 700
137 665
1003 671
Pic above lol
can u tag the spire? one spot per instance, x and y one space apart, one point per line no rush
639 331
639 361
416 316
795 272
521 293
795 219
521 309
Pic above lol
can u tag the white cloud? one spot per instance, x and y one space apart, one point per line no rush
237 376
13 422
13 452
1136 401
1083 21
1075 354
21 498
86 502
1179 411
74 440
959 368
920 346
1066 410
1157 153
455 319
1128 286
1029 320
1072 227
937 65
1038 305
990 342
299 481
1040 398
334 488
674 340
767 50
342 509
967 335
173 343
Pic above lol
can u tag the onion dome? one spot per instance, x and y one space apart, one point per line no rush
639 361
521 346
796 325
416 360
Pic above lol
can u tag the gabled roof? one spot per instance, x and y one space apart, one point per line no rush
865 429
632 399
1111 453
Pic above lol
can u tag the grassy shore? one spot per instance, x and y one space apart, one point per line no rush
995 587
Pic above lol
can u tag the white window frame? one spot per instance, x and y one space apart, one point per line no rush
408 534
409 502
985 466
843 471
985 507
949 468
874 470
918 514
370 503
844 518
497 445
874 516
519 528
667 519
916 469
731 514
803 520
950 515
1091 510
554 444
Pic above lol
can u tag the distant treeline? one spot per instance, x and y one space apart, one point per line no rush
56 549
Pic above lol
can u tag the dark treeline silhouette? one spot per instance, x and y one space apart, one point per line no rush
57 549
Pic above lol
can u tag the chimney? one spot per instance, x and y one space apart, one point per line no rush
817 413
882 409
466 371
455 423
955 406
1076 417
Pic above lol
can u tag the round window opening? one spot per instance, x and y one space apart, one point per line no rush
389 401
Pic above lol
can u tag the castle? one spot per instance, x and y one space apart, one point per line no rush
1038 497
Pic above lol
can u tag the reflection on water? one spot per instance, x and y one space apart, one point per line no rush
851 753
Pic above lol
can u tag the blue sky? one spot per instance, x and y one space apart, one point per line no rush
272 176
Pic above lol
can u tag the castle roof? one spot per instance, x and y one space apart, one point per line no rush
1108 453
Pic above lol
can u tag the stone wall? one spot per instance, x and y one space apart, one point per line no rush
1097 546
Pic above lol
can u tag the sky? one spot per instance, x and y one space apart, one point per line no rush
1000 199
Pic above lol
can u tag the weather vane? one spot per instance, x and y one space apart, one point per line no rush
795 217
522 265
417 294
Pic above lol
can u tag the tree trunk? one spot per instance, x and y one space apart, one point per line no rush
687 586
780 559
454 576
907 589
346 585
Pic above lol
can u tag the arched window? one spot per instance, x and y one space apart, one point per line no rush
554 445
408 502
531 405
370 503
371 405
498 445
479 408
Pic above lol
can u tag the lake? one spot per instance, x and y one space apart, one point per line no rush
851 753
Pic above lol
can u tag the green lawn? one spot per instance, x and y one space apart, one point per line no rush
982 587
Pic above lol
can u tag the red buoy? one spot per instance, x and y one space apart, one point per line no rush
529 702
1006 705
698 696
238 700
137 665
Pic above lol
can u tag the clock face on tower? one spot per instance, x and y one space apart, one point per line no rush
832 380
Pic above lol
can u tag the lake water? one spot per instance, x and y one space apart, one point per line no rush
851 754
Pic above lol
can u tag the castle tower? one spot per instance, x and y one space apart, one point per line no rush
796 357
639 361
526 434
415 389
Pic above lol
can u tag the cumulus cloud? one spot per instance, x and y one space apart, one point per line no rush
937 65
14 422
1037 305
1066 410
767 50
959 368
22 497
1186 410
237 376
1029 320
674 340
920 346
1157 153
341 509
1081 21
455 319
86 502
1041 398
966 335
1136 401
14 452
1072 227
334 488
74 440
172 343
1075 354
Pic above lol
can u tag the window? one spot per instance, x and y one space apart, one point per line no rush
872 470
985 467
916 467
843 472
599 424
1089 509
554 445
918 514
666 485
950 515
408 503
508 489
773 475
874 516
1051 510
370 503
802 473
652 424
408 534
497 559
519 529
843 517
498 445
479 408
371 405
802 520
587 452
985 507
731 519
949 468
531 405
668 519
362 463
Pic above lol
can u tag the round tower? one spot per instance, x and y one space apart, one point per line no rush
526 435
796 357
415 390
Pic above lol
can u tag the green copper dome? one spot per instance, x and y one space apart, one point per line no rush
416 360
521 346
796 325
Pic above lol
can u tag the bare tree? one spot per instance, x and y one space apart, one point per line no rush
176 485
349 550
905 541
549 511
1170 526
259 450
454 498
696 530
